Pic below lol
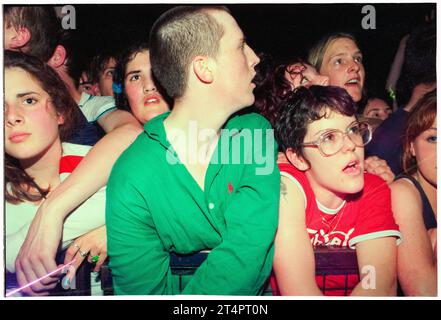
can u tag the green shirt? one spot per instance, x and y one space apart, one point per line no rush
154 208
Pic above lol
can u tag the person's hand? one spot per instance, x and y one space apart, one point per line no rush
92 245
380 168
432 235
36 257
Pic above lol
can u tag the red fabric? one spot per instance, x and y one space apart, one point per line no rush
368 212
68 163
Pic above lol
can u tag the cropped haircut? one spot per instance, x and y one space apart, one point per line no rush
43 25
317 52
20 183
176 38
304 106
420 119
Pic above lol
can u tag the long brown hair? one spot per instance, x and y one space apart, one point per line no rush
420 119
19 186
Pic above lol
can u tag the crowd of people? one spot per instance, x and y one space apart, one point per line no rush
191 142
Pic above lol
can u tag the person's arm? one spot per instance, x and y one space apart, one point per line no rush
37 254
377 267
242 263
118 118
417 266
294 263
395 69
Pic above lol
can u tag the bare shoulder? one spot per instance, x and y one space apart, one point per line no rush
406 200
404 188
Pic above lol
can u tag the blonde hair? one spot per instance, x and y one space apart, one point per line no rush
317 52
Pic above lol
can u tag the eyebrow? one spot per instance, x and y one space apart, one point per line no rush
334 129
20 95
132 72
345 54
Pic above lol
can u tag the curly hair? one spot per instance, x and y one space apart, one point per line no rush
272 86
20 186
302 107
420 119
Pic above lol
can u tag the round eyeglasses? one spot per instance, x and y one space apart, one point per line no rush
332 141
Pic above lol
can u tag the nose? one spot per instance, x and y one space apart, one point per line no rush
253 58
149 85
348 144
12 116
354 66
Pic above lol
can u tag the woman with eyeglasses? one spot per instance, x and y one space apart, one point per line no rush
414 195
327 198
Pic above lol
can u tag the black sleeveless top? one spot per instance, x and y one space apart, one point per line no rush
428 214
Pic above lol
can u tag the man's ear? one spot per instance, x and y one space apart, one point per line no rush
296 160
58 57
21 38
203 69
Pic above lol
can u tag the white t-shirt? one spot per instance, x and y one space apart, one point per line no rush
88 216
94 107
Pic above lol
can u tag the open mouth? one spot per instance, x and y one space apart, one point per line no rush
352 168
354 81
152 100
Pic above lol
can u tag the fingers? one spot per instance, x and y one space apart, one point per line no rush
71 252
103 257
36 268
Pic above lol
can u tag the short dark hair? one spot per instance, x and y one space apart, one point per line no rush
98 64
176 37
419 64
20 182
42 23
119 76
120 70
304 106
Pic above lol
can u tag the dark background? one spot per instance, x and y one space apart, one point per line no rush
283 30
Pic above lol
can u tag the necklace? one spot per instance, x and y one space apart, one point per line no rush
329 224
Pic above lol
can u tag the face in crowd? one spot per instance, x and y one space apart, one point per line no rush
423 148
31 122
145 101
235 64
105 78
343 64
377 108
340 173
